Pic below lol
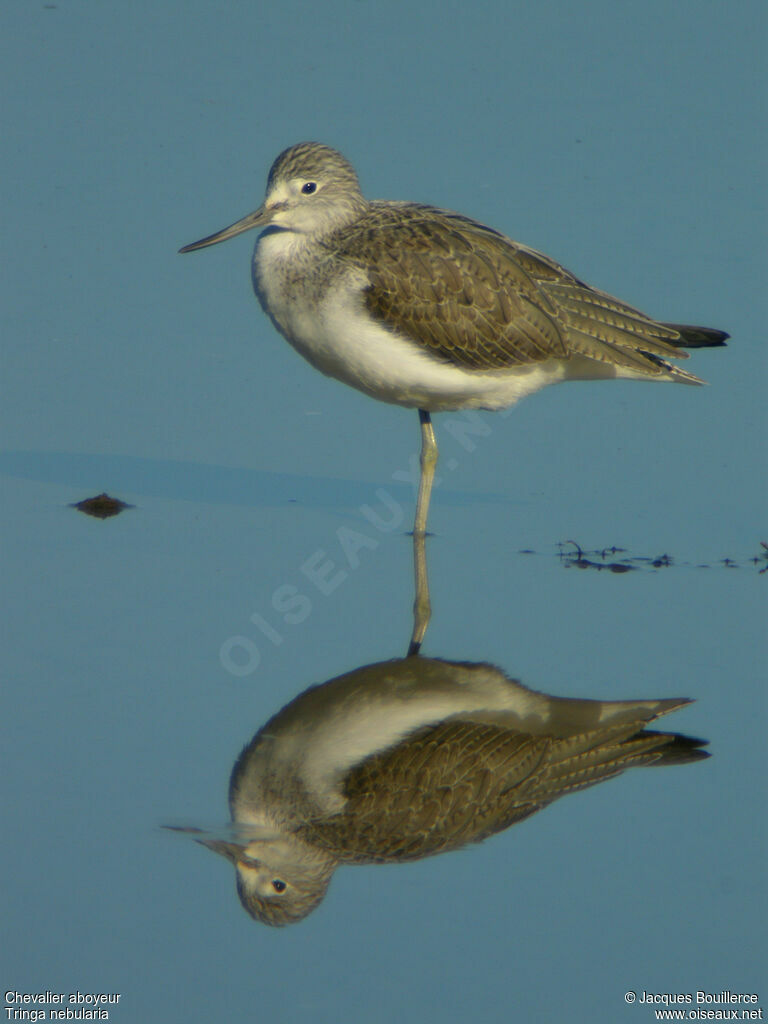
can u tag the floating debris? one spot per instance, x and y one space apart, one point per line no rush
573 556
578 558
762 558
101 507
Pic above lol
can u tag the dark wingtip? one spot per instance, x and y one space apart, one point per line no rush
680 749
699 337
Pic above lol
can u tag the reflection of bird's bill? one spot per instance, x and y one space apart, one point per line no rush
231 839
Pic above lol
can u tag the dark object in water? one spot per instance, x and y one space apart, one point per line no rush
102 506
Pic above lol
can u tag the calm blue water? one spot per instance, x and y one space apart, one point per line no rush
143 651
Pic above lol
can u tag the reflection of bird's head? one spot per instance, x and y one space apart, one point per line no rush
278 881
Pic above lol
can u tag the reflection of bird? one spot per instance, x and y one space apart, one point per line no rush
430 310
409 758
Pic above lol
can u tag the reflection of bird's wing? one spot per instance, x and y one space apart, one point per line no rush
460 782
441 787
474 298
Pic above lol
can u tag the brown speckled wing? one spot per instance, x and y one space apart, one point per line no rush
478 300
460 782
444 786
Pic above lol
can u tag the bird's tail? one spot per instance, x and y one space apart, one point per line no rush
582 761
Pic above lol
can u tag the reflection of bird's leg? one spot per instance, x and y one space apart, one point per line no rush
422 610
428 463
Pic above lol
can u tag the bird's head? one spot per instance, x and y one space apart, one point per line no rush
311 190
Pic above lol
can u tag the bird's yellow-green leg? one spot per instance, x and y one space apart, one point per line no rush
428 463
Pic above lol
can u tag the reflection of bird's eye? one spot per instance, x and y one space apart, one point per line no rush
278 885
309 187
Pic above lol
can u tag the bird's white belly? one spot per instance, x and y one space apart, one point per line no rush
332 329
364 353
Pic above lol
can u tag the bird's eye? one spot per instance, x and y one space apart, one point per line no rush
278 885
309 187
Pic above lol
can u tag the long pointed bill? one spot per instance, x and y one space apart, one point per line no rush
259 218
232 851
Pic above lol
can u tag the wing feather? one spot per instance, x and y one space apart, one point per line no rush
474 298
461 781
